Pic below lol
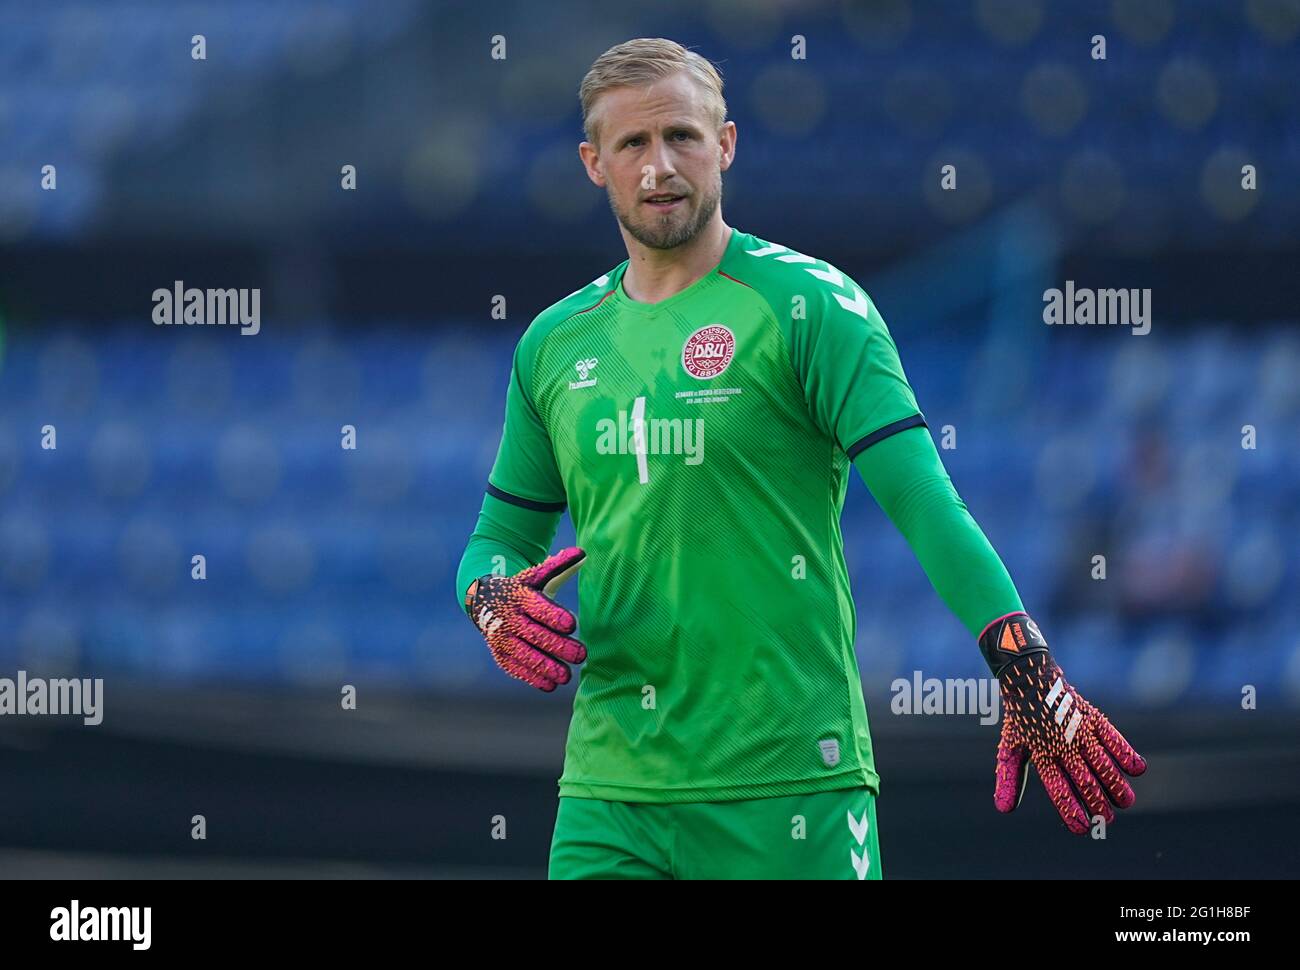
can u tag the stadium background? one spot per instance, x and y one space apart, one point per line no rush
328 567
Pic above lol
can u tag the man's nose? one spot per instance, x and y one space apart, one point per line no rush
662 160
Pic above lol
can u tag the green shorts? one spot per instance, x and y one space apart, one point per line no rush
820 835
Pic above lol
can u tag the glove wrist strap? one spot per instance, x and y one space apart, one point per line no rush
1008 638
470 595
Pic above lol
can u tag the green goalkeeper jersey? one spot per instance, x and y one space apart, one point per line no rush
702 445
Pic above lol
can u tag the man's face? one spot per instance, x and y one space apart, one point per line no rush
659 140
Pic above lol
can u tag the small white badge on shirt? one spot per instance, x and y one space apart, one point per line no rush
584 368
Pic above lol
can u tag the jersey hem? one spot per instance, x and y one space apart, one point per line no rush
605 791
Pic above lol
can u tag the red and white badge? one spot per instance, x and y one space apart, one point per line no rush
708 351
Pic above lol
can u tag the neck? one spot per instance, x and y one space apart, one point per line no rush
656 274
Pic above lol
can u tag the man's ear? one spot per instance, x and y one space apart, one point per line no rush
591 162
727 134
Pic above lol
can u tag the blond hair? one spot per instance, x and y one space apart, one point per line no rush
644 61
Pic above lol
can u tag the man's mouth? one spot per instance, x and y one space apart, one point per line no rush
664 202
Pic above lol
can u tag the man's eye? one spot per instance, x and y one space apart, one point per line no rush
632 142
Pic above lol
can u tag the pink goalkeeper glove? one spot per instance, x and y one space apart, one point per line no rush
1075 750
528 632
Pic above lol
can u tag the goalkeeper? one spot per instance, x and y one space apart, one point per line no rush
696 410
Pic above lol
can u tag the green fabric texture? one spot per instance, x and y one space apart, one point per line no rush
814 835
904 474
701 447
522 537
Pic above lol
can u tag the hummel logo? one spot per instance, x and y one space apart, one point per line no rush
584 367
861 863
859 829
857 303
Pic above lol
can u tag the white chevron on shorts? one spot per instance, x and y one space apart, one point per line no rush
859 829
861 863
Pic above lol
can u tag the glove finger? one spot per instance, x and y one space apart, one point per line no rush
1086 784
551 573
1128 759
520 671
1059 791
535 660
1107 772
546 611
1011 774
548 641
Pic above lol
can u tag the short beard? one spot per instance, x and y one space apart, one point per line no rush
657 236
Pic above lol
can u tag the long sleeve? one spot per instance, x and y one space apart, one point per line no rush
521 537
857 393
525 495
